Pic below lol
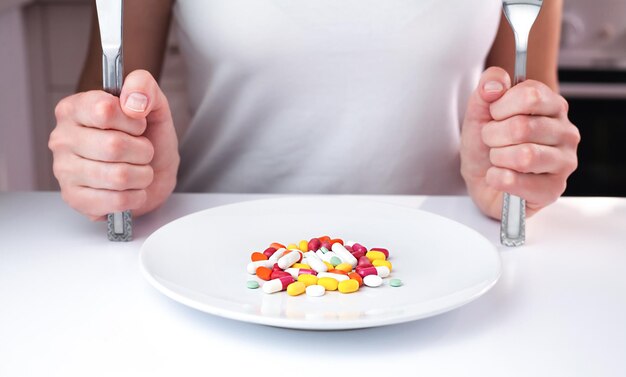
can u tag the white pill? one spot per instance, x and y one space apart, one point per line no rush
344 254
277 254
338 277
372 280
325 256
315 262
315 290
383 271
293 272
273 286
252 266
288 260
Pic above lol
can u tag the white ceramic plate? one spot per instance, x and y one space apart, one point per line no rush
200 260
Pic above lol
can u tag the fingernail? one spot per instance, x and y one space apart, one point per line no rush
493 87
137 102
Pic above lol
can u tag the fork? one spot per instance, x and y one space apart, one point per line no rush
119 224
521 15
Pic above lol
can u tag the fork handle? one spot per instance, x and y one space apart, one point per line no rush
520 65
119 224
513 223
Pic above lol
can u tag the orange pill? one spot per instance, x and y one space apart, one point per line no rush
277 246
324 238
336 240
256 256
264 273
336 271
357 277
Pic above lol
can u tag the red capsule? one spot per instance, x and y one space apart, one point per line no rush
365 271
269 251
348 247
359 247
382 250
336 240
314 244
327 245
279 274
278 284
276 268
364 262
358 254
286 280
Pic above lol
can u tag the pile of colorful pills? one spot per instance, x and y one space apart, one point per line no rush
319 265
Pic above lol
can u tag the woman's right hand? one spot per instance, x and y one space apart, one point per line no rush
113 154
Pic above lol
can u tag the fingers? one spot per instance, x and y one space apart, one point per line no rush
112 176
538 190
534 158
521 129
75 171
111 146
529 98
140 98
96 203
97 109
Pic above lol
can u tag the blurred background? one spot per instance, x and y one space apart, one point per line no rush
43 44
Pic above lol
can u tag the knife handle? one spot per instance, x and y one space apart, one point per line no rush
513 225
119 224
112 72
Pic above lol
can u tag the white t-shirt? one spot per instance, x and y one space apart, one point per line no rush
330 96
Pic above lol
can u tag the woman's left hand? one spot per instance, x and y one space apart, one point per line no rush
517 140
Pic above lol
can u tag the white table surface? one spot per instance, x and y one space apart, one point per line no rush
74 304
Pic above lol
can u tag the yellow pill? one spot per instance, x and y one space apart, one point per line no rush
375 255
292 246
304 245
301 265
296 288
346 267
329 265
329 283
348 286
308 279
379 262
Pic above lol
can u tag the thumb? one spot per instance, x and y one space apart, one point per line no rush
141 95
142 98
494 82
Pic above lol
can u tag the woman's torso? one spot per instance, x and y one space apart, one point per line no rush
329 96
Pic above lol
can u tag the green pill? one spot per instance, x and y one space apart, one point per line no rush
251 284
395 282
335 261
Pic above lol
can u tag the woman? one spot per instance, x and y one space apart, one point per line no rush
321 96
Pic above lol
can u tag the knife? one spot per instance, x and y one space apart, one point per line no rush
119 224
